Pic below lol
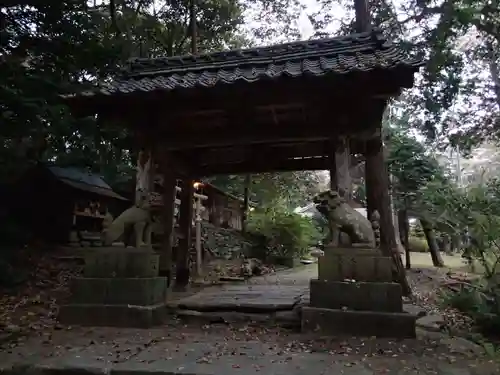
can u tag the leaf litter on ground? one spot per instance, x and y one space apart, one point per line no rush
30 310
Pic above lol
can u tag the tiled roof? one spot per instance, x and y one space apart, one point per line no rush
85 181
340 55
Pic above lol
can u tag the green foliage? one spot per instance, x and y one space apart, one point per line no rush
459 88
288 190
51 48
418 244
476 211
481 302
287 234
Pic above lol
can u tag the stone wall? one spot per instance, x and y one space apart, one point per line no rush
224 243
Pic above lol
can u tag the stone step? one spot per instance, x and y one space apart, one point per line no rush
113 315
363 296
119 291
333 322
287 318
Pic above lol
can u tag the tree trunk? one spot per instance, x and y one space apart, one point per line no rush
430 236
494 71
377 194
456 243
404 233
447 244
397 232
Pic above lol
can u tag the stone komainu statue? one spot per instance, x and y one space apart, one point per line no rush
342 218
138 216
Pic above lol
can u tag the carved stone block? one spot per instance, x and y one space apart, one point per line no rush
113 315
361 296
121 263
354 263
358 323
119 291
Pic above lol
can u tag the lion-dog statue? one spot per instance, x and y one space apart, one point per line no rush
342 218
138 216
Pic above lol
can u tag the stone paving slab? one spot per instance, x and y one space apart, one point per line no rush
233 357
245 298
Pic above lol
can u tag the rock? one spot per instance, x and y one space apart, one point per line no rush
246 270
12 328
433 323
231 278
316 253
414 309
461 344
251 267
225 243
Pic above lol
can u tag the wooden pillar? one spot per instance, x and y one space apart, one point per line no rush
332 161
246 193
342 163
340 178
185 226
377 195
169 195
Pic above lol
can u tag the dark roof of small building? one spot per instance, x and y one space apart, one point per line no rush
360 52
85 181
229 195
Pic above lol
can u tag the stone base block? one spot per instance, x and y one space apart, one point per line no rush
339 264
119 291
386 297
113 315
353 250
358 323
122 262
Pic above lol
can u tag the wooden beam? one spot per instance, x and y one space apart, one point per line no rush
320 91
279 165
247 132
259 153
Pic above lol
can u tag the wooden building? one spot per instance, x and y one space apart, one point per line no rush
220 208
53 202
297 106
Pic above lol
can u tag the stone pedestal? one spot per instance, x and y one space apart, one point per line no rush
354 295
358 264
120 288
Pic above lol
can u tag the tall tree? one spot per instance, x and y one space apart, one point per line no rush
48 49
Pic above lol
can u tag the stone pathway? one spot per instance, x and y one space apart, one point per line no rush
269 297
244 298
275 292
